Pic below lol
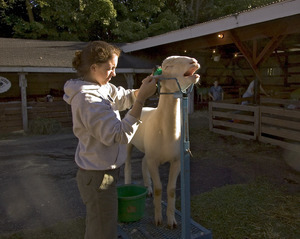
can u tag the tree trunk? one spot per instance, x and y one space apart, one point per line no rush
29 11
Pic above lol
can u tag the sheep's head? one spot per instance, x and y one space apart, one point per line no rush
181 67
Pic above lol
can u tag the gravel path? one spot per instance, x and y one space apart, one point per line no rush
38 186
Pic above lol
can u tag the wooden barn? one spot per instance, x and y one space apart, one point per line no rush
261 44
32 76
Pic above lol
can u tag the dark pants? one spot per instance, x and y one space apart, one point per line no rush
99 193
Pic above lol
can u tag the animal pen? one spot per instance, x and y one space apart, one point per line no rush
274 121
187 228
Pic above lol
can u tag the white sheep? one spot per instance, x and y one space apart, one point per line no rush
159 134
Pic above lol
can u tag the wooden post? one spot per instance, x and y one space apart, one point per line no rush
129 80
23 85
191 101
256 95
210 115
257 117
286 70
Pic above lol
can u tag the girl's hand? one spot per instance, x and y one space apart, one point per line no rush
147 88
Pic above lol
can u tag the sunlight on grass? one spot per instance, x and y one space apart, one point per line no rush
255 210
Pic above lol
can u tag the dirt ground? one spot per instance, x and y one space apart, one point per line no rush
38 186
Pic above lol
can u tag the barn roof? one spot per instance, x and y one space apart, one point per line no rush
26 55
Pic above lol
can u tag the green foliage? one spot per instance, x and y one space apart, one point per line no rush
3 4
58 20
140 19
166 21
110 20
129 31
32 30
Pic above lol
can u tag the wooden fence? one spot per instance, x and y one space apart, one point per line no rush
274 121
280 123
228 118
11 114
10 117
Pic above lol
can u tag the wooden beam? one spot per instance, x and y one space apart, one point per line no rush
243 48
286 70
254 54
268 49
23 85
249 57
247 54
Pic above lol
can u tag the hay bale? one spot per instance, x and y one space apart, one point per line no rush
44 126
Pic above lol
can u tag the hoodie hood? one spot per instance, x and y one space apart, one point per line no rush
72 88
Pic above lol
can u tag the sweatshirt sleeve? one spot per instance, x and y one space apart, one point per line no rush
123 99
103 123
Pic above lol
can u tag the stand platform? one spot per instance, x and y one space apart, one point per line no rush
146 229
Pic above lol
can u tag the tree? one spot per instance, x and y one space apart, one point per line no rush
56 19
138 19
110 20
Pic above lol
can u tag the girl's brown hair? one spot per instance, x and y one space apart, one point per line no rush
95 52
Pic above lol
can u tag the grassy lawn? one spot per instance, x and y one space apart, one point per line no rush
254 210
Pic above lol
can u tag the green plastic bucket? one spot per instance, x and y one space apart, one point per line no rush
131 202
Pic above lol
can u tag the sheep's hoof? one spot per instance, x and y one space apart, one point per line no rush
150 192
158 221
172 223
172 226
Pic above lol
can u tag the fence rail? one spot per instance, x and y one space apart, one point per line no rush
11 114
274 121
10 117
233 119
280 127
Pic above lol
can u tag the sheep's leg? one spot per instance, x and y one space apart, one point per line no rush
171 190
146 177
127 169
154 172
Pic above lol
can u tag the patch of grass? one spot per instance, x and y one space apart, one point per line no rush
64 230
256 210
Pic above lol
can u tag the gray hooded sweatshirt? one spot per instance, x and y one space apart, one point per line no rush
97 124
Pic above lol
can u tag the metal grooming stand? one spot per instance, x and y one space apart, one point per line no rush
185 152
184 158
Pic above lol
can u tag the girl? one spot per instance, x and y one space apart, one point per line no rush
102 134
